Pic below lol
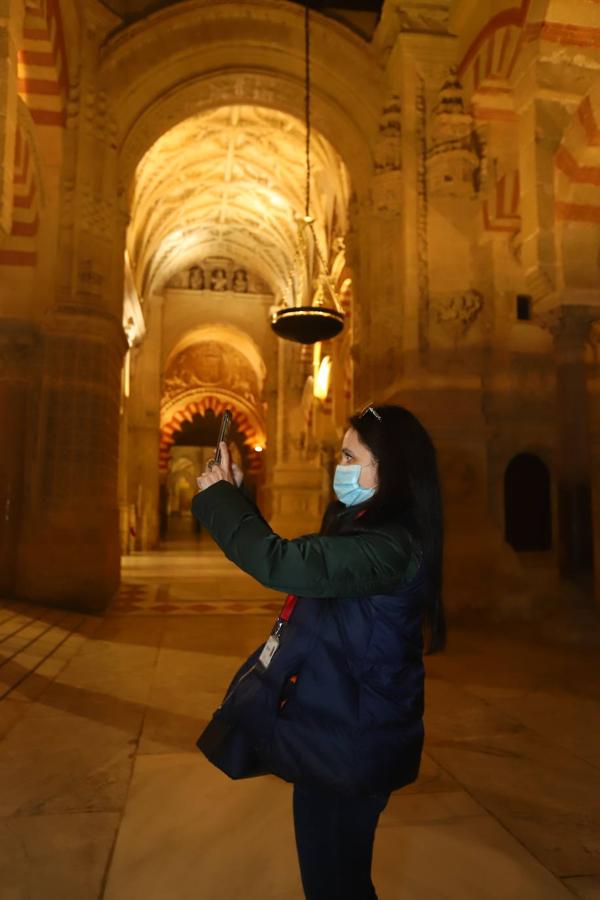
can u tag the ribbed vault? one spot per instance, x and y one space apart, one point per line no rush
230 182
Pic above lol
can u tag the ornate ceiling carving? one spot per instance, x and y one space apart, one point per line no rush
229 183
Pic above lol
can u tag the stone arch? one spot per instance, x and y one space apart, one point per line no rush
42 63
527 503
577 193
28 194
198 402
226 334
198 398
228 54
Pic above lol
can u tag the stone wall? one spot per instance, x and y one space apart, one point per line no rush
459 171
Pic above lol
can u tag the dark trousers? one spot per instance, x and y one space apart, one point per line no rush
334 838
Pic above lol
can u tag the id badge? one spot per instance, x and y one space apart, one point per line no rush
269 651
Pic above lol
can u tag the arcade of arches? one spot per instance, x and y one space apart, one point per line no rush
151 179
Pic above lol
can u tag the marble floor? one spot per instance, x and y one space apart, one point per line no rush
103 795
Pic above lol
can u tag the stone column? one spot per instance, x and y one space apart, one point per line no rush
378 345
124 515
570 327
69 550
593 387
11 25
376 258
298 489
17 348
542 119
144 428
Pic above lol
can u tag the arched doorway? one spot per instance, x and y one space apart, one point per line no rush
527 504
210 166
191 446
211 243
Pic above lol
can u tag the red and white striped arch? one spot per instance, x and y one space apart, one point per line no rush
42 77
184 409
577 197
20 247
577 163
502 206
489 60
491 57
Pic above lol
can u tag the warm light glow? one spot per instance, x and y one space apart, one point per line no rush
258 448
321 388
316 362
232 194
127 374
277 200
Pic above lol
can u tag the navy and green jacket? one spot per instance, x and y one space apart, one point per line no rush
353 718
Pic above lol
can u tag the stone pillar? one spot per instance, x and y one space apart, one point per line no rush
594 410
125 536
378 348
69 549
542 119
144 429
570 327
376 258
17 345
298 487
11 25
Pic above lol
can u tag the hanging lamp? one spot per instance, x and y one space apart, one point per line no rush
324 318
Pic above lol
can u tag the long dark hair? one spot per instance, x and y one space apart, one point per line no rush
408 490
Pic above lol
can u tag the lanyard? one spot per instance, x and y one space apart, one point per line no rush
288 607
272 642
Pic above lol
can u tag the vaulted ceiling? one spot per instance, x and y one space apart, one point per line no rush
231 182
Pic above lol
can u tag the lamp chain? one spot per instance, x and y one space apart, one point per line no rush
307 109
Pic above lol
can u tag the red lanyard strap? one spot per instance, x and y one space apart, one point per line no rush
288 607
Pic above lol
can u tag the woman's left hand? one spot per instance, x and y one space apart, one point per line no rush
220 472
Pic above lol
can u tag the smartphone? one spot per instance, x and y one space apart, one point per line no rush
223 435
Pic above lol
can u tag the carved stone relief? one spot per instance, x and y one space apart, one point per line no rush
387 181
219 276
455 313
210 363
453 159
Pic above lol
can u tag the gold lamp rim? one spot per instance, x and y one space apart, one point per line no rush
290 311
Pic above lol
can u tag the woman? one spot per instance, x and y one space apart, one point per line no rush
333 701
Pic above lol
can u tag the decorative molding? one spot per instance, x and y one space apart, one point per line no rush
210 364
388 144
454 156
387 180
422 217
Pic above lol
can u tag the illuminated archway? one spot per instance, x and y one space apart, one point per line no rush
243 415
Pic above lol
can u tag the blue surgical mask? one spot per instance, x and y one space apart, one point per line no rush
346 486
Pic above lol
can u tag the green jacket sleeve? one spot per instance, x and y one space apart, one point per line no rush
315 566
